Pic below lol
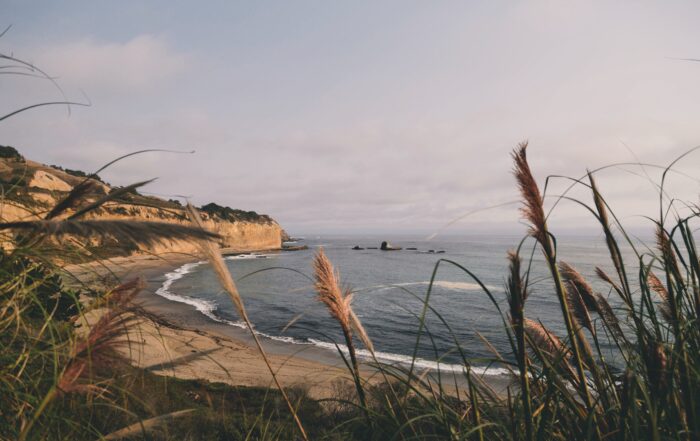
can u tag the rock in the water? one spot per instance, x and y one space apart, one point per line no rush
386 246
412 249
294 247
357 247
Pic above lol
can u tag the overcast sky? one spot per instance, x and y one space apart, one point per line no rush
363 116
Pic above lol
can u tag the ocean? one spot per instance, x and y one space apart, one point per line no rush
389 290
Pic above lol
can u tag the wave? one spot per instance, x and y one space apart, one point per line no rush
389 358
445 284
200 305
208 308
249 256
462 286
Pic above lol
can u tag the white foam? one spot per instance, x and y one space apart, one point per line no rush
250 256
462 286
388 357
204 306
445 284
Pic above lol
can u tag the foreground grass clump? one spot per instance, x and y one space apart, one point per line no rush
188 409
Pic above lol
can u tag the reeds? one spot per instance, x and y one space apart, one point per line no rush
517 295
338 301
533 212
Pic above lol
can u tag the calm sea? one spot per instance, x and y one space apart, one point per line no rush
390 287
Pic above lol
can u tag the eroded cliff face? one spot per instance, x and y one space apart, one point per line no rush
236 236
41 187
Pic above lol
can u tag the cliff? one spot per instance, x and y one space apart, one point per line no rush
30 189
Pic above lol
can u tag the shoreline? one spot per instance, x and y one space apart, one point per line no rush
174 339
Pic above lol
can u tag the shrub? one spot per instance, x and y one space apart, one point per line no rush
10 153
234 215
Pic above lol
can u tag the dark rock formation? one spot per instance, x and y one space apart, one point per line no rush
285 237
386 246
294 247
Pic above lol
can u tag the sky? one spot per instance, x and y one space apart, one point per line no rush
365 117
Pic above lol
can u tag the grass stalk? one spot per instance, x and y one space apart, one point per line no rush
212 253
338 302
533 211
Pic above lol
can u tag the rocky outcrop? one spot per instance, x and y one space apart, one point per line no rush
48 181
33 188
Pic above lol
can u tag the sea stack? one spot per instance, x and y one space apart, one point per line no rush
386 246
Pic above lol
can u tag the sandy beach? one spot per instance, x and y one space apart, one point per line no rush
174 339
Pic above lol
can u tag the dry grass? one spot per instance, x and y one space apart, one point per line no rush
533 202
337 300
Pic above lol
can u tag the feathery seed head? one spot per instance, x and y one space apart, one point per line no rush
609 318
99 347
533 204
337 300
329 292
575 280
599 202
517 292
544 339
665 307
603 275
578 307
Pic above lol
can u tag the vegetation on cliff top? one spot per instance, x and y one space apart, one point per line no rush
234 215
79 173
10 153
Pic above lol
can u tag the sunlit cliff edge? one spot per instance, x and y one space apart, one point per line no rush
30 189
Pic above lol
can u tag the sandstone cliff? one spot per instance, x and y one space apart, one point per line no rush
30 189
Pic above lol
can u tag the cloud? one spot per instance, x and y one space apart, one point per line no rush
139 63
402 126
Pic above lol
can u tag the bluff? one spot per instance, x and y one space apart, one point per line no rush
30 189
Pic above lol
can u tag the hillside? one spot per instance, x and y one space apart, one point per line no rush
30 189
